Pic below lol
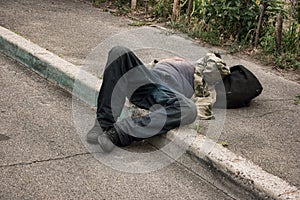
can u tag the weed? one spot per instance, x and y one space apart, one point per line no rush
232 24
223 143
297 100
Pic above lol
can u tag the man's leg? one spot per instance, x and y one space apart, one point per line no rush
120 61
117 80
173 110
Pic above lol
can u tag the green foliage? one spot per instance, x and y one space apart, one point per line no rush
291 37
163 9
268 42
297 12
233 24
96 2
218 22
122 4
289 55
231 19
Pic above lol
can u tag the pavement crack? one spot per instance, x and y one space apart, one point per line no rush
275 100
266 113
263 114
44 160
186 167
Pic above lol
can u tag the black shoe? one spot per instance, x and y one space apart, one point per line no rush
94 133
108 140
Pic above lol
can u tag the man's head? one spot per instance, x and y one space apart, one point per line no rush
213 68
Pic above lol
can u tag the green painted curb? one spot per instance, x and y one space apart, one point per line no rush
66 75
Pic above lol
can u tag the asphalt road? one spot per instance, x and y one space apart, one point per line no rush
42 156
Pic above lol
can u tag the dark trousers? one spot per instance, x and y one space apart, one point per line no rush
126 76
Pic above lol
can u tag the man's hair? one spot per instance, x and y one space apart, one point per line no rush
217 54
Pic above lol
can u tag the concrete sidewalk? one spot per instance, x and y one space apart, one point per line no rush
265 133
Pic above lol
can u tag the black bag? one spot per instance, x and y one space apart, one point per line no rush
241 86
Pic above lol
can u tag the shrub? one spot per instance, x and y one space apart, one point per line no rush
234 24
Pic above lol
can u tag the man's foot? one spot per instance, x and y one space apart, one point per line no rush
108 140
94 133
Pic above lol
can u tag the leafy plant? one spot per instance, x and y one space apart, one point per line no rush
96 2
231 19
234 24
163 9
289 55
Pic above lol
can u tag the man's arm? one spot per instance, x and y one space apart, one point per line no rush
173 59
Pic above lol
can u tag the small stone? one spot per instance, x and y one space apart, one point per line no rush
4 137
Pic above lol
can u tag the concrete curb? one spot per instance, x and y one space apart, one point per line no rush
50 66
243 172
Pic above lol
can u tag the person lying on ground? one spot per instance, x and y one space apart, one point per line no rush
174 91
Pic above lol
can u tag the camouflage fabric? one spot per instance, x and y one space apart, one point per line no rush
208 72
